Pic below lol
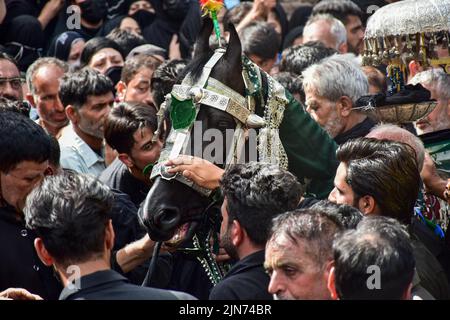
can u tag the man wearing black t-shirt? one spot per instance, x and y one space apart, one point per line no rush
129 130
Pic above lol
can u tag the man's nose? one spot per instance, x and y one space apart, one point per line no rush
276 284
332 196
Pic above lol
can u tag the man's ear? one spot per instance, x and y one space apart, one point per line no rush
343 48
30 99
109 236
414 68
345 105
121 90
332 284
72 114
126 160
367 205
42 252
237 233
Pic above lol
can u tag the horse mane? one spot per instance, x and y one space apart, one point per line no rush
195 67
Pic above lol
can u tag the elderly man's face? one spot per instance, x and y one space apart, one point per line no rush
438 119
10 83
324 112
20 181
295 273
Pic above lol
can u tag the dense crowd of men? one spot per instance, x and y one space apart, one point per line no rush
80 126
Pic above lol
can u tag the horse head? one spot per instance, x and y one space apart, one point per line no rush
173 210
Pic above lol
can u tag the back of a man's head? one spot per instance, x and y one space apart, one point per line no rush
375 261
297 58
257 192
395 133
73 230
385 170
164 78
260 39
21 140
340 9
76 87
346 215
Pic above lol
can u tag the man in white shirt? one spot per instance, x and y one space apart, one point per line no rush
88 97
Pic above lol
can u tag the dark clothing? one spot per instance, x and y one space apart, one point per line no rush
20 267
246 280
360 130
125 221
188 275
117 176
307 203
109 285
432 276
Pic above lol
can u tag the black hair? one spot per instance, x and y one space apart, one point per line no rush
260 39
340 9
164 77
95 45
73 230
297 58
124 120
291 82
257 192
346 215
76 87
380 246
21 107
385 170
22 140
126 40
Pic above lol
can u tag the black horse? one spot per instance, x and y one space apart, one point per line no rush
173 209
171 204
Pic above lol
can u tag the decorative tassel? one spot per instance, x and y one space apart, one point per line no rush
212 7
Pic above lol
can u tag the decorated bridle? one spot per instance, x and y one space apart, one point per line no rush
184 103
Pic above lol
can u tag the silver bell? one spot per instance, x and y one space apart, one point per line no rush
254 121
196 94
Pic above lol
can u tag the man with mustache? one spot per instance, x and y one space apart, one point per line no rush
43 82
88 97
10 79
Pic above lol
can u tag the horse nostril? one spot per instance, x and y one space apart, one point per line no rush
168 218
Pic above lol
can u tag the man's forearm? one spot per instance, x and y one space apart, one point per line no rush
134 254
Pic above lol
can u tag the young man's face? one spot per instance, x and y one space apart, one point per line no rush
342 192
294 273
355 34
20 181
93 114
138 89
144 151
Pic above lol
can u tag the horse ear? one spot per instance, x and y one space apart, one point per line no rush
234 49
202 44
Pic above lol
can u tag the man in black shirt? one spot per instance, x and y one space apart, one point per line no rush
129 130
76 237
254 193
24 152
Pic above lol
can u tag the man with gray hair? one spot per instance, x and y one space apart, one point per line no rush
332 88
299 254
328 30
43 83
438 83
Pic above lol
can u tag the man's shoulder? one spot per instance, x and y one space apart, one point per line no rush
246 284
